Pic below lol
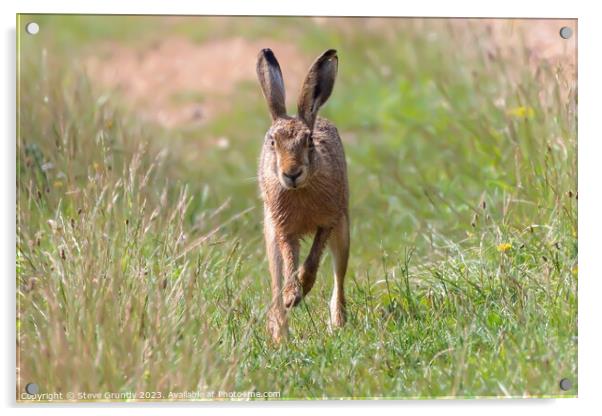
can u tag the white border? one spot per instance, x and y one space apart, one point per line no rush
590 135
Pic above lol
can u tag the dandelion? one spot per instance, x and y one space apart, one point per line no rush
502 248
57 184
521 112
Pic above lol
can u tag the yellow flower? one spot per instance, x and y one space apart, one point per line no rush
57 184
521 112
502 248
575 271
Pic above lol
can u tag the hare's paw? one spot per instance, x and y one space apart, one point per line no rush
337 314
292 293
277 324
307 278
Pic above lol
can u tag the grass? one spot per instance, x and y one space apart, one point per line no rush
140 259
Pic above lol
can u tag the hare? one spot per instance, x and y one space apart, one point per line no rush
303 184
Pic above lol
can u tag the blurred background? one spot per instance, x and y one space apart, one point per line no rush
413 85
460 136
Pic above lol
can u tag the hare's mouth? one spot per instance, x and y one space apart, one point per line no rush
292 182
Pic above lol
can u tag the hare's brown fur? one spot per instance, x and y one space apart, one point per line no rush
303 183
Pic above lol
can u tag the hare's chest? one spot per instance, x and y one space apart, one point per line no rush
301 212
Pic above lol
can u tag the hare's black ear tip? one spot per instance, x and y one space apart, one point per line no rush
330 53
268 55
267 52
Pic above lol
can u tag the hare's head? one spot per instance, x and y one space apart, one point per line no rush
290 137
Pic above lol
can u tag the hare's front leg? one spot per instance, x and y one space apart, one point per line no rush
292 292
277 325
339 246
307 274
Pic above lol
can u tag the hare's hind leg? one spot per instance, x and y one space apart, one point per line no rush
277 324
339 246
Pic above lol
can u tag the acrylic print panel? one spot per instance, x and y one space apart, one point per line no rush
165 179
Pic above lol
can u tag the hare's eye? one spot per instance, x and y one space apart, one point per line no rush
272 143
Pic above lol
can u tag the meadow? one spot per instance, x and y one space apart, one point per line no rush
140 254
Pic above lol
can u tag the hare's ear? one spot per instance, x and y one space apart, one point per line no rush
272 83
317 86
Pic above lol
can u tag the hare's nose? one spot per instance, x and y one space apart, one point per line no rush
293 175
